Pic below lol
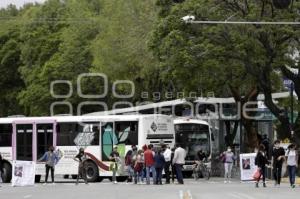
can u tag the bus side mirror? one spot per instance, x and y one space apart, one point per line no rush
212 137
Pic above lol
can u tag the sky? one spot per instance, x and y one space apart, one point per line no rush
18 3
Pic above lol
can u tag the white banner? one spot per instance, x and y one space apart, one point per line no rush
23 173
247 165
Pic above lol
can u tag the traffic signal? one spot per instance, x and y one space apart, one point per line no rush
281 4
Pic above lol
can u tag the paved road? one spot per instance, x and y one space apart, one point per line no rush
213 189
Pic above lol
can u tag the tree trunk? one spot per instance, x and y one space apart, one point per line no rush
252 141
250 130
295 78
230 134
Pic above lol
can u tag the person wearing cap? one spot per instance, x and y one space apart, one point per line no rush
115 158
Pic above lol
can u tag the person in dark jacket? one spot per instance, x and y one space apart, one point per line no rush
278 157
261 161
266 142
1 168
159 164
173 171
81 158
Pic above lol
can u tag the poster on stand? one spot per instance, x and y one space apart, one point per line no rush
23 173
247 165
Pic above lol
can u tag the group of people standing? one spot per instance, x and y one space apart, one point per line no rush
140 163
279 156
264 159
51 158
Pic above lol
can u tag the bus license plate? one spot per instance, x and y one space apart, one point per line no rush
188 167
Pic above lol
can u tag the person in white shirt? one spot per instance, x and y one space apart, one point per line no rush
178 162
292 163
167 155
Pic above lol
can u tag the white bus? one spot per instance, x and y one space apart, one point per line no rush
28 138
193 135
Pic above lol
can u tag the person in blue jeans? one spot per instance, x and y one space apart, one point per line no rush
159 163
292 163
178 162
149 164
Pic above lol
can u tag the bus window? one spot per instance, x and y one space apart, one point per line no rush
91 128
24 141
5 135
109 139
44 138
127 132
66 133
193 137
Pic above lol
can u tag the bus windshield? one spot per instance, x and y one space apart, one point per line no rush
193 137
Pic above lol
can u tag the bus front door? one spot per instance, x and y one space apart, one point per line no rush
32 139
23 148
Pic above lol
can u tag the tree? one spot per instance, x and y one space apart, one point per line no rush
232 55
266 49
56 46
10 80
120 51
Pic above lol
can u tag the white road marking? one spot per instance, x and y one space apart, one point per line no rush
240 195
234 196
185 195
180 194
27 196
246 196
189 194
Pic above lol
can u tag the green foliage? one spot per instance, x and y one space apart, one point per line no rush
142 41
60 40
10 81
120 50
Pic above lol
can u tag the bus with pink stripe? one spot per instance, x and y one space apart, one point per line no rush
28 138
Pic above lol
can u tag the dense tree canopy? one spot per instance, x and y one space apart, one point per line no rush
226 58
148 43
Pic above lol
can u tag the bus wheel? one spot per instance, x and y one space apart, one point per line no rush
92 172
37 178
7 172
